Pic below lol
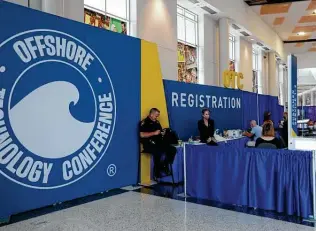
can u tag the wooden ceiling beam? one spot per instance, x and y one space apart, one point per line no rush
301 41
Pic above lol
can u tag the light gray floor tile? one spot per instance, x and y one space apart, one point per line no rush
133 211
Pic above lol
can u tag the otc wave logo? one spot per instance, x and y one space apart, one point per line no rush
57 109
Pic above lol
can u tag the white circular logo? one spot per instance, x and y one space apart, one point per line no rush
57 109
111 170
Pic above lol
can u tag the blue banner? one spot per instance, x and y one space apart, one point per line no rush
293 93
69 100
186 101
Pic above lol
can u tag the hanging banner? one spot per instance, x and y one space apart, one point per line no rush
292 94
185 102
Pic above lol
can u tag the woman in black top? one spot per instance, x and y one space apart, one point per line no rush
268 135
206 128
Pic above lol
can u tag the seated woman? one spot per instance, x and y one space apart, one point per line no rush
206 128
268 136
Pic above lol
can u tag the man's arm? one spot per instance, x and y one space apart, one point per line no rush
248 134
149 134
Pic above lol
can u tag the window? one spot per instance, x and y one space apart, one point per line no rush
255 70
108 14
232 42
187 45
255 59
280 76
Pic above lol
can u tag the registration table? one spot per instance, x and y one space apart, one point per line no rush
278 180
177 167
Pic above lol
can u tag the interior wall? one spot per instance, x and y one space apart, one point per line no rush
240 12
157 22
306 60
245 63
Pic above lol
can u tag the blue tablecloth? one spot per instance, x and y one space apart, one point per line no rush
236 143
177 167
279 180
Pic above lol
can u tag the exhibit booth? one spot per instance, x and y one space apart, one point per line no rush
72 96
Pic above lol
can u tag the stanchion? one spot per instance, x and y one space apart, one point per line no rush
185 170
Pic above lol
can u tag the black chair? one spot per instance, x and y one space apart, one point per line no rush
171 171
156 179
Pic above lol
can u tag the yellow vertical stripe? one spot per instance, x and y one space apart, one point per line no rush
152 90
152 95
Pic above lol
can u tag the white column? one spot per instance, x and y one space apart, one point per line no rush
208 73
223 47
303 100
157 22
244 62
273 78
72 9
312 98
285 86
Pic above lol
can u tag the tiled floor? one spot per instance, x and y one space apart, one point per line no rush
138 210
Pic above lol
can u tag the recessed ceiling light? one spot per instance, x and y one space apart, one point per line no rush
301 33
252 39
314 12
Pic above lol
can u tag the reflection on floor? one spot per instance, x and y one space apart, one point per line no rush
158 207
176 193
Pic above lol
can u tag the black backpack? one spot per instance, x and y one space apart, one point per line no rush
170 137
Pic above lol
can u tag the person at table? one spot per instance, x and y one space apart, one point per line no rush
267 116
151 136
268 136
254 134
206 128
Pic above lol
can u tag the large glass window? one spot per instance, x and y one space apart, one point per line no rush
108 14
187 45
232 43
255 59
255 69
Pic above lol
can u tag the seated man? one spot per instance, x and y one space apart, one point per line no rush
255 133
151 136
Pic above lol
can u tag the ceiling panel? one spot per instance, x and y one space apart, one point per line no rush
275 8
293 21
278 21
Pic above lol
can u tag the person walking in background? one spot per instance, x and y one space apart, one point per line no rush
267 116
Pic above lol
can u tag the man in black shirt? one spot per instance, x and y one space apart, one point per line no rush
151 136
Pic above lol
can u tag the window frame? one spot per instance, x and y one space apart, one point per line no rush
195 21
232 41
255 59
126 20
194 18
255 70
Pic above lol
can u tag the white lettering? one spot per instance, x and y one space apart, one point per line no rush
191 100
174 99
182 102
39 46
22 51
214 100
